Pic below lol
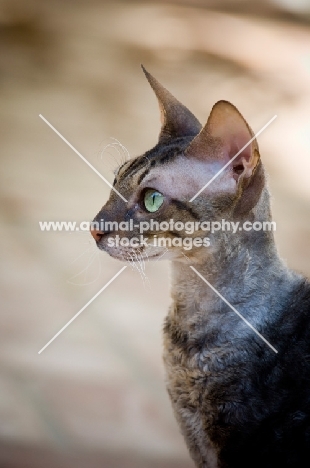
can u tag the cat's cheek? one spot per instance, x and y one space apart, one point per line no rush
206 242
111 242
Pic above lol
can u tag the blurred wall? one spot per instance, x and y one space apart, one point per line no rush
96 396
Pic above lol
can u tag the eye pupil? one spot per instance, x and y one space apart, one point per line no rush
153 200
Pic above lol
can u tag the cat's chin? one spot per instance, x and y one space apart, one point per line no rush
134 255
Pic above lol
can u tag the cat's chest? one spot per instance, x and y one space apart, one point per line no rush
187 385
192 362
188 377
189 373
197 376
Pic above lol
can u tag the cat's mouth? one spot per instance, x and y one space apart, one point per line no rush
129 253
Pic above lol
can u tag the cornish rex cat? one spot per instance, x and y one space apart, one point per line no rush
239 402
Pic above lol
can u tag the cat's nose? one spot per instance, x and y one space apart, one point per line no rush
97 235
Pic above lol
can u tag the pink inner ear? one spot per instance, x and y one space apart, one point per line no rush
227 124
233 143
246 161
243 162
224 135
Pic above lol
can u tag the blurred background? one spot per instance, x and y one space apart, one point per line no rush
96 396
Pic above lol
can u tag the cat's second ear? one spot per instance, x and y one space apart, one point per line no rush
176 119
224 135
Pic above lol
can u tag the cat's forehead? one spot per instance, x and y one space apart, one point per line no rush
173 175
168 170
156 157
181 177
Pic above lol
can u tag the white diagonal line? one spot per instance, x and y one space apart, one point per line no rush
235 310
82 157
83 308
240 151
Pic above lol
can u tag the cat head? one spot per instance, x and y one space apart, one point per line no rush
161 185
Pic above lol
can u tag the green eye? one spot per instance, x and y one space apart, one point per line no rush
153 200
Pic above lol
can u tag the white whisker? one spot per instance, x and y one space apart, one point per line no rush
92 247
122 151
94 256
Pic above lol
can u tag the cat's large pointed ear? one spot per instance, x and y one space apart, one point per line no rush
176 119
224 135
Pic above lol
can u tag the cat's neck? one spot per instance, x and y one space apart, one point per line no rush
232 262
244 268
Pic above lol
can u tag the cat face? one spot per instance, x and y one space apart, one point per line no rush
160 184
